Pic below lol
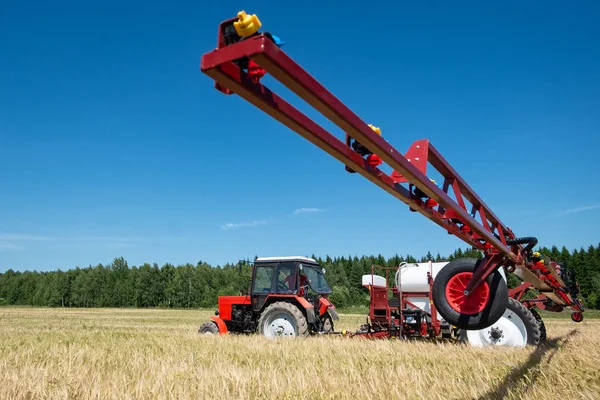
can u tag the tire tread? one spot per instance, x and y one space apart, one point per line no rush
209 326
540 321
293 310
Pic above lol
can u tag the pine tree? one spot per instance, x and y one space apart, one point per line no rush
121 285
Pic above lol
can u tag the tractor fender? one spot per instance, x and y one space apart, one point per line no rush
333 313
220 324
325 305
310 310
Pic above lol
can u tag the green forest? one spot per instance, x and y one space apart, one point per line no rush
198 285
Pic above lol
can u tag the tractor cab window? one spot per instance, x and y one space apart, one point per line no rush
316 278
263 279
286 278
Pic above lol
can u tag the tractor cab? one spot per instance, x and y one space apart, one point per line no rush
287 276
286 297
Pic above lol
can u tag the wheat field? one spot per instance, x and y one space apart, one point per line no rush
158 354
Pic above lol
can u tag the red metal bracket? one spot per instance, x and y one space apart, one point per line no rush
417 154
488 265
519 291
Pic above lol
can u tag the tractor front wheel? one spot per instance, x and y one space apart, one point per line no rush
483 307
328 324
209 328
282 319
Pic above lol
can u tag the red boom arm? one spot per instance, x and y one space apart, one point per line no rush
479 226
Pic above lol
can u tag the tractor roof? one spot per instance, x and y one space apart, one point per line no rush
286 258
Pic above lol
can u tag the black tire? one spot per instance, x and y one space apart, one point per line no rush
209 328
287 311
532 325
577 317
541 325
496 303
327 324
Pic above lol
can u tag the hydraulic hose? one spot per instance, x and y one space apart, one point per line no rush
529 241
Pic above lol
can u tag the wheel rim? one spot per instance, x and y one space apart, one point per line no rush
510 330
280 325
472 304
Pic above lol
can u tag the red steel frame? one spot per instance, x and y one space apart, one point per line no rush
479 227
540 301
404 303
383 324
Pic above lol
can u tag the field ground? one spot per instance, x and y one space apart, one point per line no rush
158 354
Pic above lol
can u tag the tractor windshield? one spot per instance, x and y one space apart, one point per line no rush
316 279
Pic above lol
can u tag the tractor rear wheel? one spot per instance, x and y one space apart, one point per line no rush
209 328
282 319
481 308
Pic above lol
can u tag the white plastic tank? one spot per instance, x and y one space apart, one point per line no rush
412 278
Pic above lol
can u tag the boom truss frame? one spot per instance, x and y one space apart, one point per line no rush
445 205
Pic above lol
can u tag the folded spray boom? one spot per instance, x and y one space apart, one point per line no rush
469 298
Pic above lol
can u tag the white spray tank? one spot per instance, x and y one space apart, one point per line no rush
412 278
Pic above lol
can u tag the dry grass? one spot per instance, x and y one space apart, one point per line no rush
157 354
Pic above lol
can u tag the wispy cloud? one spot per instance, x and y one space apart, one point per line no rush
6 246
18 241
575 210
305 210
251 224
17 237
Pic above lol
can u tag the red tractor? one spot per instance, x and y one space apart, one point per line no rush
287 297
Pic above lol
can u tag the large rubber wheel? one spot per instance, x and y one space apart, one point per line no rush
479 310
517 327
282 319
209 328
541 325
328 324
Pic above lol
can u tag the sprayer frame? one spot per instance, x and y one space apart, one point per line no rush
487 233
381 326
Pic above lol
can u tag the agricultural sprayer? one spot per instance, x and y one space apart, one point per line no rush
468 294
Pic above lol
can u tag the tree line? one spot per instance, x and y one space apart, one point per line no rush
198 285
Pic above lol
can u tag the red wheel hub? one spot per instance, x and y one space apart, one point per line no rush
472 304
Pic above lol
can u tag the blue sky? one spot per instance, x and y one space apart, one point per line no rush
113 143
